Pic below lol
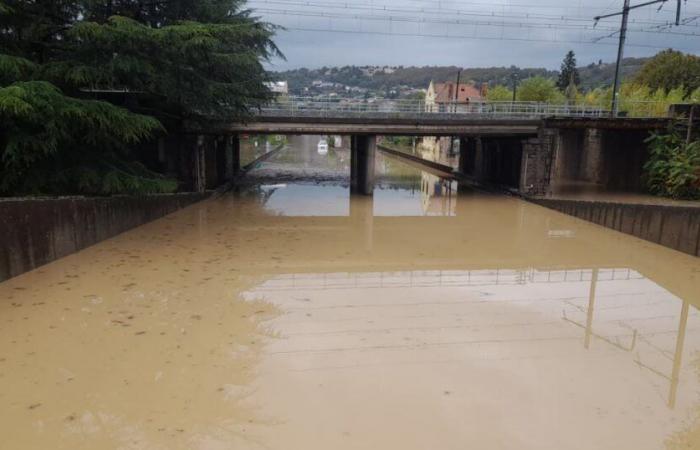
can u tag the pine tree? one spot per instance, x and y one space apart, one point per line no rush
53 142
196 58
204 57
568 72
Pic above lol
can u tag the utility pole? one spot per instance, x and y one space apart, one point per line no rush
515 85
620 55
623 37
456 99
691 118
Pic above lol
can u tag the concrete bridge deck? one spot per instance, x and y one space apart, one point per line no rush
307 115
382 124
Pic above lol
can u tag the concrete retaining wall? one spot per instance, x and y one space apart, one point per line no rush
34 232
440 169
677 227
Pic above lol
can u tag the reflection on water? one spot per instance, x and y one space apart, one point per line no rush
292 316
439 196
328 200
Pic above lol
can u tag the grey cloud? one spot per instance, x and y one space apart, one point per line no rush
362 46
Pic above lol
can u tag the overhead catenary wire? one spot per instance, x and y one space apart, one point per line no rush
315 5
469 37
475 23
546 23
627 8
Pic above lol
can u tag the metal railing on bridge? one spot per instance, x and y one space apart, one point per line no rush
349 107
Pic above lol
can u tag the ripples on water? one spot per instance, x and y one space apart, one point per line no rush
291 316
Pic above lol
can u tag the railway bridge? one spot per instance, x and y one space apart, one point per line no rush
532 148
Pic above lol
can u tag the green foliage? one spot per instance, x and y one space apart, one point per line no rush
670 70
636 100
694 96
499 94
540 89
200 70
277 139
569 73
419 95
189 58
43 128
158 14
109 177
673 168
399 141
592 76
15 68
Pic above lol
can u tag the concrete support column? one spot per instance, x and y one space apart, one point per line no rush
363 150
467 152
220 155
531 167
480 171
199 174
171 154
536 166
566 163
233 156
472 160
211 166
592 167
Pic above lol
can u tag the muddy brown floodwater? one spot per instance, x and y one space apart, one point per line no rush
289 316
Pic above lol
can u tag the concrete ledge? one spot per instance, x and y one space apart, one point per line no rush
34 232
676 227
253 164
437 168
607 123
415 129
407 124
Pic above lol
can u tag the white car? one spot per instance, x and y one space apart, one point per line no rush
323 147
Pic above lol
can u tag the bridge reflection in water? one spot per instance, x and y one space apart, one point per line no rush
290 315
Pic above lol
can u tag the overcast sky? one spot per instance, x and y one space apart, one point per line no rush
467 33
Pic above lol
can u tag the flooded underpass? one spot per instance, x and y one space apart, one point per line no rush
291 315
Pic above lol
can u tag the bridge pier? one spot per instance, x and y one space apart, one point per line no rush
215 160
232 159
562 160
494 160
199 173
471 157
592 169
362 152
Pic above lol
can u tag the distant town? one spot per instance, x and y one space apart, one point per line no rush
411 82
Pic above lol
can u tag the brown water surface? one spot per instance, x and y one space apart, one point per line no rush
292 316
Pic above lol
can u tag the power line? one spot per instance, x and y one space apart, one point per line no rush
469 37
475 23
434 11
408 19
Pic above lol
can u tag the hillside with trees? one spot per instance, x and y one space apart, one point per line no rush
385 79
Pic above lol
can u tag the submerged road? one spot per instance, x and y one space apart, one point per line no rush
288 315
